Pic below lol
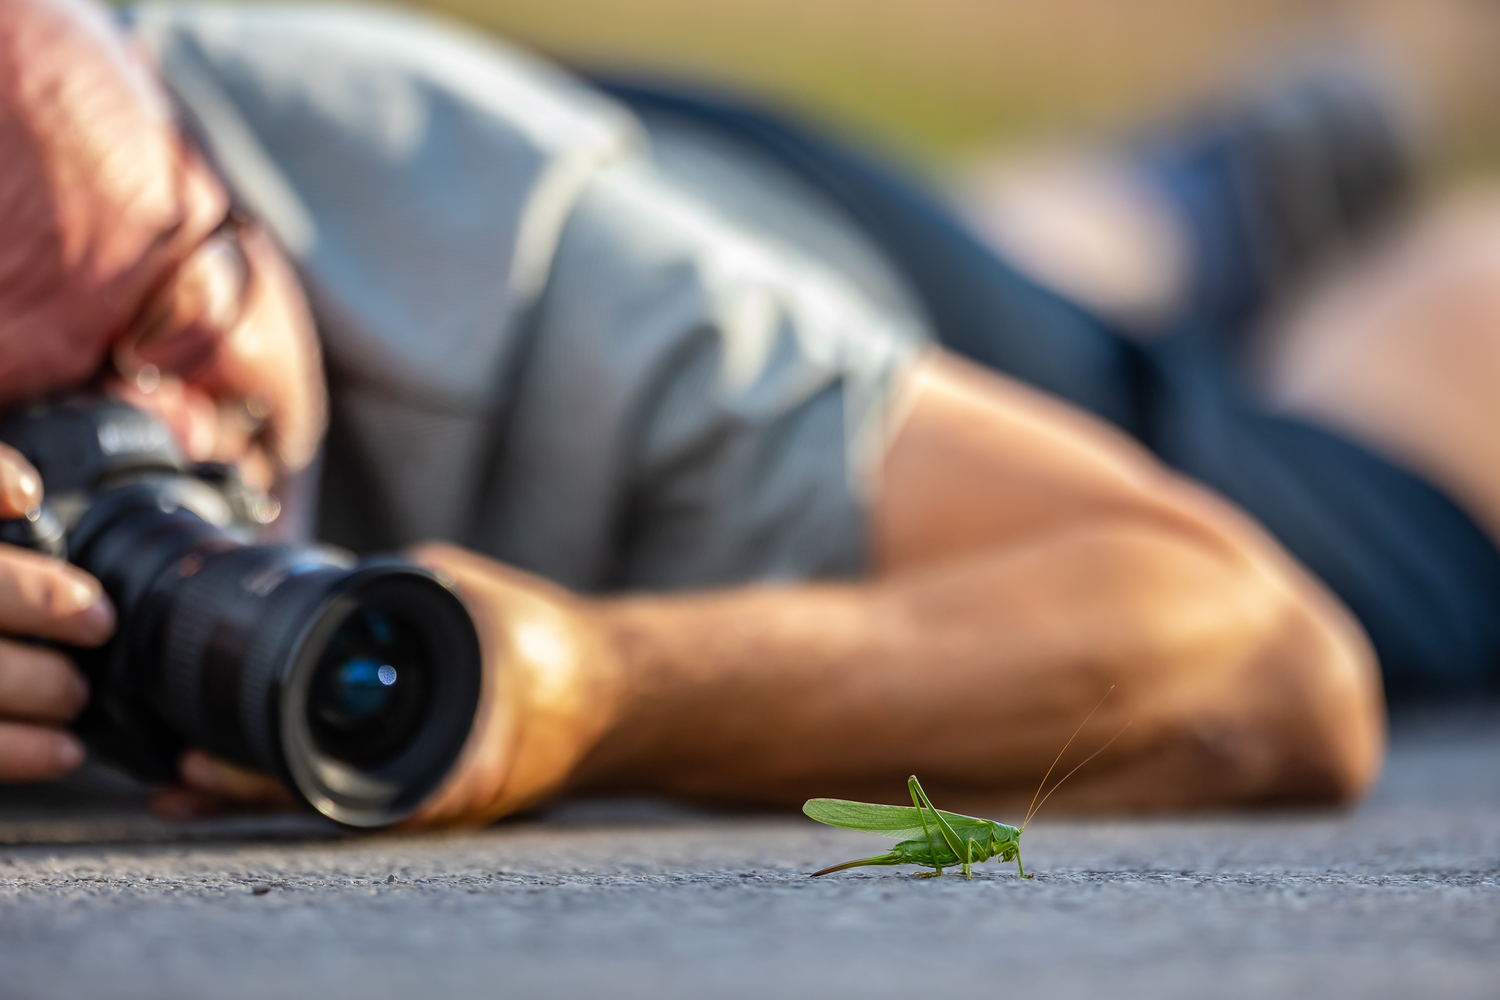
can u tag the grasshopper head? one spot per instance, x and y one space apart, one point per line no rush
1003 838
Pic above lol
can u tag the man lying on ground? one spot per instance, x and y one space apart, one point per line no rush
731 526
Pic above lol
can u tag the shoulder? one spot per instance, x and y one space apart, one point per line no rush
418 172
347 61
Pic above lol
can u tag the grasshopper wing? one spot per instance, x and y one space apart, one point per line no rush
899 822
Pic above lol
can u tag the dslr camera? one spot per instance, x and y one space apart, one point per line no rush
353 681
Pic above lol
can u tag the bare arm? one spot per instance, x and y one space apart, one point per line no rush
1028 559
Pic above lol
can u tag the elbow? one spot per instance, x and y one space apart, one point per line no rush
1298 716
1319 703
1272 697
1288 708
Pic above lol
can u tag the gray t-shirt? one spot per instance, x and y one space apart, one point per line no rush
541 342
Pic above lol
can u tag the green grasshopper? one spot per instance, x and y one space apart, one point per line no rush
931 837
961 840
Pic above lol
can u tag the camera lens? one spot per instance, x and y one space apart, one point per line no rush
355 682
378 692
369 690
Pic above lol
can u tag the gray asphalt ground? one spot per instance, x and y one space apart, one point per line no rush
1399 898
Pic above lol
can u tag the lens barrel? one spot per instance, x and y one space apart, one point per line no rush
356 682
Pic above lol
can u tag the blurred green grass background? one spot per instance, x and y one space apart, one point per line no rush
946 78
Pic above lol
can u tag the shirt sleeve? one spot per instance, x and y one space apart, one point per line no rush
539 343
698 406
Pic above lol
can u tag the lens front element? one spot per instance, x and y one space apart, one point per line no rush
369 693
378 695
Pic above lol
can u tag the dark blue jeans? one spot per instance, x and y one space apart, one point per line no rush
1418 573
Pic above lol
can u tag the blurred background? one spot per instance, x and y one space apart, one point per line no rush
944 80
1016 106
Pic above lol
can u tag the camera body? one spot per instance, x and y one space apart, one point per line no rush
354 681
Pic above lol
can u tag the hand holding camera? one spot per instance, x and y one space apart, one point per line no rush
353 682
41 689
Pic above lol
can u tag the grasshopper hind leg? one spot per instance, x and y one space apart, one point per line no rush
880 859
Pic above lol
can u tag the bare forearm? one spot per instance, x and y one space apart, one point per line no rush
1026 559
973 673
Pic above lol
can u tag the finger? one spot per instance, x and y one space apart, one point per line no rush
206 429
212 787
467 569
20 486
209 775
37 753
50 599
38 684
179 804
189 413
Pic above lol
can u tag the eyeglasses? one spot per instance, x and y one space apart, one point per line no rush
187 317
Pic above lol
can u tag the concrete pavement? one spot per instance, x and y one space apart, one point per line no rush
1399 898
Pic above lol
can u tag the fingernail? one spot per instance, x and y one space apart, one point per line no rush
84 593
68 754
148 379
95 612
23 491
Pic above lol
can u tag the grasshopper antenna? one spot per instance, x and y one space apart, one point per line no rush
1032 814
1031 809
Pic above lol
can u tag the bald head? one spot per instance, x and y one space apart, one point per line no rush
99 198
